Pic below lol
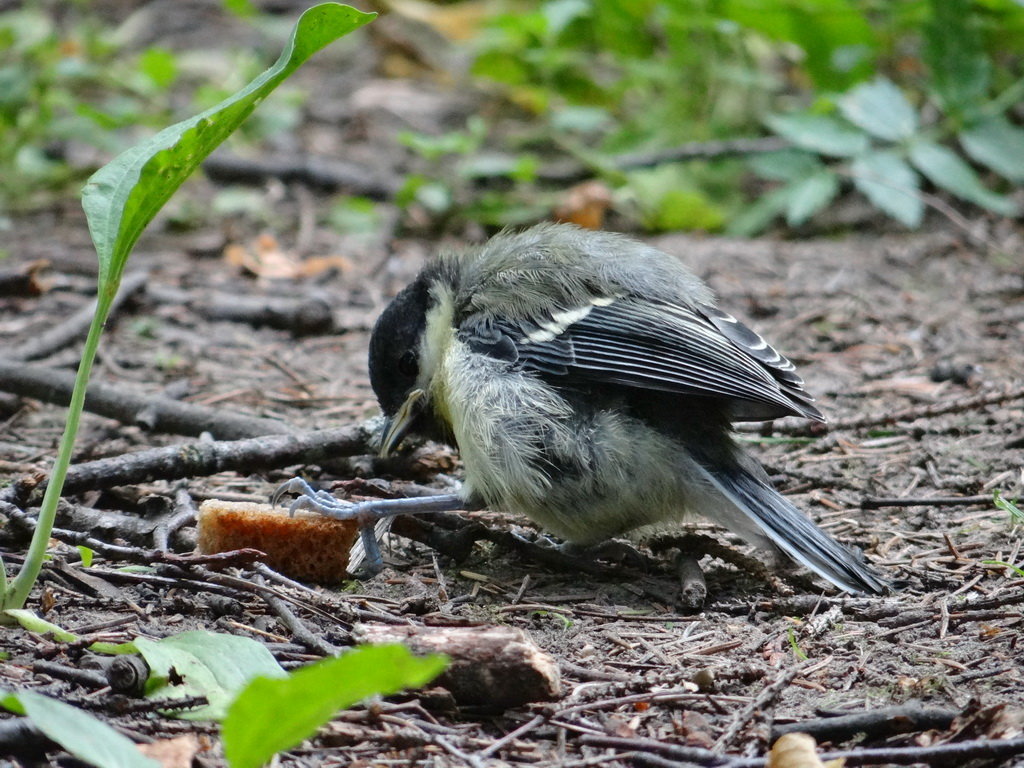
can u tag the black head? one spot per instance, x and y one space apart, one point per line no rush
394 346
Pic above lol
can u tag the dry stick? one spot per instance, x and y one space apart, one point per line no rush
765 698
20 736
75 326
693 590
159 414
297 627
912 414
184 512
884 721
876 502
206 458
301 315
316 171
509 737
958 753
677 755
236 558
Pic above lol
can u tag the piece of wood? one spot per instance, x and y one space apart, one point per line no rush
493 667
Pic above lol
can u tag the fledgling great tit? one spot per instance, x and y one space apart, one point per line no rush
589 383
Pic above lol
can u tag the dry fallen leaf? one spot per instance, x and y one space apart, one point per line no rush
585 205
267 259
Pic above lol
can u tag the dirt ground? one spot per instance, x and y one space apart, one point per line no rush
912 344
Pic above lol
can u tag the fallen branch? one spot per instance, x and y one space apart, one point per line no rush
200 459
874 723
76 325
313 170
877 502
158 414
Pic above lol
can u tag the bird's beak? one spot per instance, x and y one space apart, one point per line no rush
396 427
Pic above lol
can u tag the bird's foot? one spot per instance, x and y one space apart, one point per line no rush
366 514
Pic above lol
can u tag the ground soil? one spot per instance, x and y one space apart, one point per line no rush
912 344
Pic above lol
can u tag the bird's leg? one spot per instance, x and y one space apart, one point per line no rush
366 514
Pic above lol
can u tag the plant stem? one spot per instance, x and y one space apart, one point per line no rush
16 595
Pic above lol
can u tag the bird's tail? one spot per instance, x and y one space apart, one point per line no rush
791 531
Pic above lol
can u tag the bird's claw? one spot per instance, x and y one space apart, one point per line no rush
330 506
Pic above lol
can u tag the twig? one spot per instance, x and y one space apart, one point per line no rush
884 721
301 315
236 558
203 458
20 736
764 699
693 590
678 755
877 502
958 753
75 326
316 171
70 674
509 737
297 627
184 512
910 414
159 414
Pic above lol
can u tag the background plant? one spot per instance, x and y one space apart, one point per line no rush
891 100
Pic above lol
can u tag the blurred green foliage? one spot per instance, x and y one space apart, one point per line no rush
71 89
873 95
893 101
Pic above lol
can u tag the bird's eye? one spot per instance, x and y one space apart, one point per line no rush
407 365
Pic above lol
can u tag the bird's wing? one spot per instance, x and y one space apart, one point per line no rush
638 343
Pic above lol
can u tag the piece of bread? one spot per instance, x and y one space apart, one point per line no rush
307 547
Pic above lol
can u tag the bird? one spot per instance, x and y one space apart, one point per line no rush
589 382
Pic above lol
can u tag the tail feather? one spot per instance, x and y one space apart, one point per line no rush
793 532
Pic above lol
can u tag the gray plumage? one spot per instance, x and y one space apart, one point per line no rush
589 381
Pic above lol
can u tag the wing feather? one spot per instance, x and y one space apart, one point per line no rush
631 342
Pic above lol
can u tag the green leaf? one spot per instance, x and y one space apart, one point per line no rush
997 144
683 209
272 715
79 733
955 55
784 165
122 197
834 35
823 134
202 663
87 555
891 185
1008 506
881 109
809 196
944 168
